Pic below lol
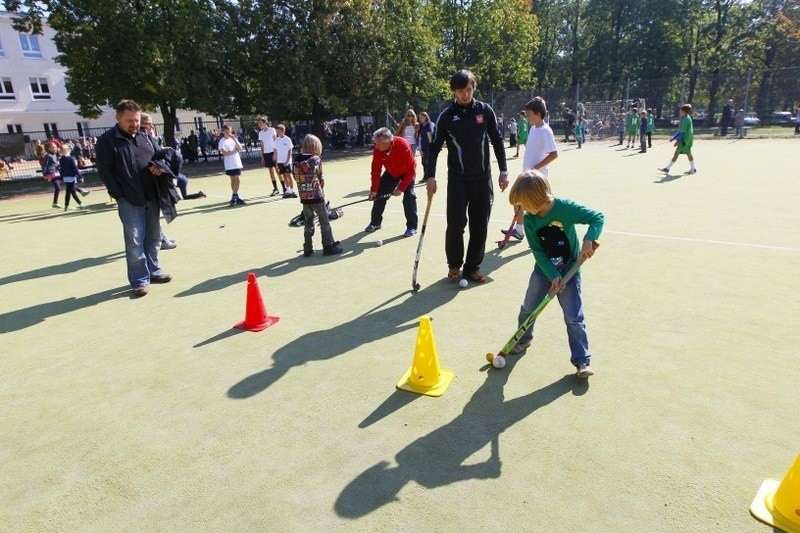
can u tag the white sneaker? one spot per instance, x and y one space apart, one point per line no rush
584 371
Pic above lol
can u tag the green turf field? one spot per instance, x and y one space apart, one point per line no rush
155 415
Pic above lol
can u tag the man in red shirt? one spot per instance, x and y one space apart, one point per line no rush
393 154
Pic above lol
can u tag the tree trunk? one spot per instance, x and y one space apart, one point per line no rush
713 89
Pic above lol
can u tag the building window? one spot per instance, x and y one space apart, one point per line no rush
50 129
14 128
30 46
83 129
6 89
2 50
40 89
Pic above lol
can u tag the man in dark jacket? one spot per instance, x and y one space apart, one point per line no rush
124 156
468 126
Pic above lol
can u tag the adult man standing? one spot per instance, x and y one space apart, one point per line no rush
124 156
395 155
204 139
727 118
468 126
266 136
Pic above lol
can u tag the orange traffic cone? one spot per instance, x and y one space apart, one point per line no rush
255 314
777 503
425 375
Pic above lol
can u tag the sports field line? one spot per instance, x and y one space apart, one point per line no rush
653 236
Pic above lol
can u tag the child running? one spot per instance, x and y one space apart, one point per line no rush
540 151
683 140
49 162
550 226
311 188
69 175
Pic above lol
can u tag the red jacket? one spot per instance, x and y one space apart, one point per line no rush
399 162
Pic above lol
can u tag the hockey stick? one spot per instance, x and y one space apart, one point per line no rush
502 244
499 361
414 284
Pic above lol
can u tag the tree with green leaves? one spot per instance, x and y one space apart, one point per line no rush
163 54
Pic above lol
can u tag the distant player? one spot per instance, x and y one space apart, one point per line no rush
633 127
540 151
683 140
550 226
266 136
283 159
651 127
229 146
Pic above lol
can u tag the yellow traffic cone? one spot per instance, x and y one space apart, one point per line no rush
778 502
425 375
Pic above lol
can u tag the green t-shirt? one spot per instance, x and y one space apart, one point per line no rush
651 123
553 238
687 129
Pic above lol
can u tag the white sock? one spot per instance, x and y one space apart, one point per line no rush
520 228
691 165
669 165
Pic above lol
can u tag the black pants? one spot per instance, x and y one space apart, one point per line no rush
649 139
468 201
387 185
70 186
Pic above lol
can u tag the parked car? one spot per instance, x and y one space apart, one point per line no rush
783 118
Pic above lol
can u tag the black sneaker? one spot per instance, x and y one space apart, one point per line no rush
233 202
333 249
308 252
275 192
239 201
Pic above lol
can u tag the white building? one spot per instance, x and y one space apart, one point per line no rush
33 95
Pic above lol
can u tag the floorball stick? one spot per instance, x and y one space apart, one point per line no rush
414 284
499 361
502 244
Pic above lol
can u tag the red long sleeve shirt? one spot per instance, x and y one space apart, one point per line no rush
399 162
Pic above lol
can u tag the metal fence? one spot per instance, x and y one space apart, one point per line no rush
769 99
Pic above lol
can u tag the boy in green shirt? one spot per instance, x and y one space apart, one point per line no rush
683 140
550 228
633 127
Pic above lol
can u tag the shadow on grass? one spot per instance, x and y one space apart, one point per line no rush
53 213
30 316
352 248
376 324
63 268
437 459
668 178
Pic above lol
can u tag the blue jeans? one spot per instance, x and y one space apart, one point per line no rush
570 301
142 232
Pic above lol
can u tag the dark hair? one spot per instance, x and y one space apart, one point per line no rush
461 79
127 105
687 108
538 106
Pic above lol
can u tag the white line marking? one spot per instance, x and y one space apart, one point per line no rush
663 237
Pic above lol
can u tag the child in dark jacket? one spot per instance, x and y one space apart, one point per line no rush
49 162
69 175
310 187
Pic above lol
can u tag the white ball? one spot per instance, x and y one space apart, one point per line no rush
499 361
379 243
463 283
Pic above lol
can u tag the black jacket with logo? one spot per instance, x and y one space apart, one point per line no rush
467 130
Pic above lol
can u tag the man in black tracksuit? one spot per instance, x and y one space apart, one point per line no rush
468 126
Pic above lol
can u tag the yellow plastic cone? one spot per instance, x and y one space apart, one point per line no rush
425 375
778 502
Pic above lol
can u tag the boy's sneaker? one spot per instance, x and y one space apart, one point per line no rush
691 171
371 228
85 192
410 232
233 202
519 348
168 245
56 206
201 194
664 169
333 249
81 206
514 233
239 201
308 252
275 192
584 371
